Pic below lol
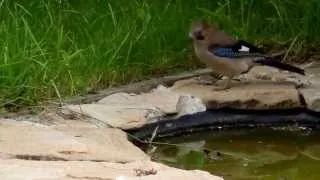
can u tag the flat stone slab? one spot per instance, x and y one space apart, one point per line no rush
261 88
116 116
267 74
25 140
256 95
160 98
126 111
71 170
311 93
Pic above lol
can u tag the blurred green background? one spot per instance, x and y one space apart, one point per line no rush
62 48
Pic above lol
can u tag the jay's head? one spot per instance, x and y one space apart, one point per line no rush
204 34
201 31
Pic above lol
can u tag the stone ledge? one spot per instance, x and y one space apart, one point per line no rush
263 88
27 140
71 170
72 148
242 96
77 150
311 93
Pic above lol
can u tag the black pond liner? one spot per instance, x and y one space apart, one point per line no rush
224 119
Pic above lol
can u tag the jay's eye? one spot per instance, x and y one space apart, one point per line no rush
198 35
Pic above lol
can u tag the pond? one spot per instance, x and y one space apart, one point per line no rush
264 154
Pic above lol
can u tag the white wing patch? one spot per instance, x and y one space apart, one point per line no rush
244 49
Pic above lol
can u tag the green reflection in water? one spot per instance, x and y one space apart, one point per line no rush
264 154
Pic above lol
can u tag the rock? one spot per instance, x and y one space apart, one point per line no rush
160 98
73 124
71 170
118 116
311 96
242 95
189 105
267 74
311 93
26 140
126 111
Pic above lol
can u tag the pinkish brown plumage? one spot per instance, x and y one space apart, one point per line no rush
228 56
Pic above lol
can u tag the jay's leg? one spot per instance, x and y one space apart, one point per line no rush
225 86
209 79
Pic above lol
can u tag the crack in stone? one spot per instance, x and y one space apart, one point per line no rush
50 158
88 178
39 157
72 152
302 99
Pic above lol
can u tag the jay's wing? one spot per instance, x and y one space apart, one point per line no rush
244 45
238 50
228 52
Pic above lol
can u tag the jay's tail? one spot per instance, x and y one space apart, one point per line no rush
280 65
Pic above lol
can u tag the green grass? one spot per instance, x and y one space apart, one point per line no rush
61 48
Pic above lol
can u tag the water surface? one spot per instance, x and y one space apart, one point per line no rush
264 154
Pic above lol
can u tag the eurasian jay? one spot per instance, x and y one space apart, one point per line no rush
228 56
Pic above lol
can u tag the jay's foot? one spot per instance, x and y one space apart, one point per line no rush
206 80
224 87
220 88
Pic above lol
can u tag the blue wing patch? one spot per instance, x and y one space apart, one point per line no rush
224 52
231 53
